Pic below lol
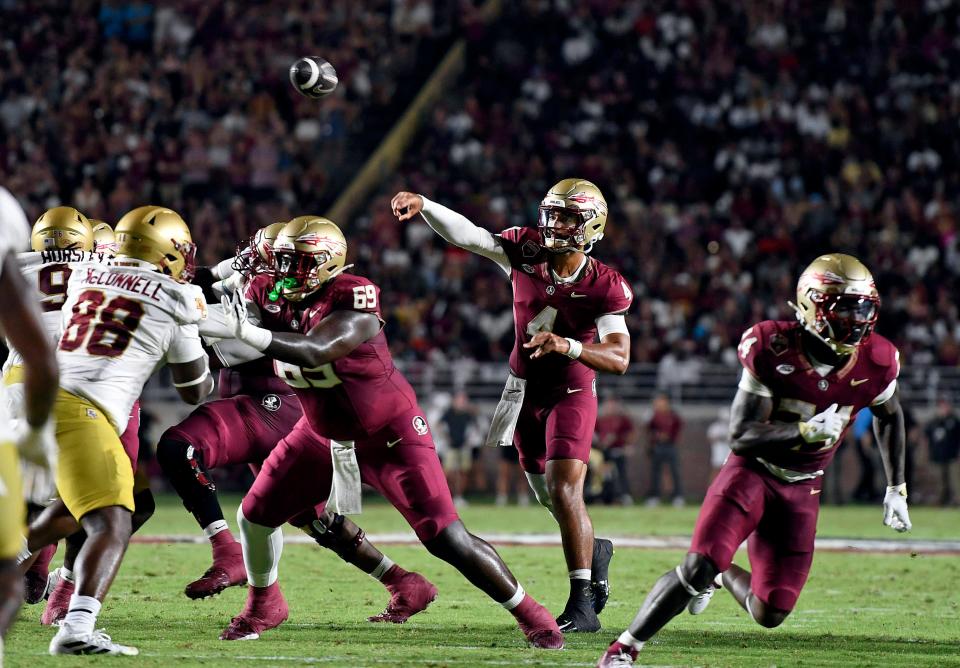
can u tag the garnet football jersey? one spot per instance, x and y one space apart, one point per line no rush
569 310
356 395
771 353
121 321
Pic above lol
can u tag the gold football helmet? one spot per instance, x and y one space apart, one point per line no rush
104 240
308 252
572 216
159 236
837 301
62 227
256 255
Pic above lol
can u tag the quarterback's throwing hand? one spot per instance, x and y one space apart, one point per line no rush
895 513
547 342
406 205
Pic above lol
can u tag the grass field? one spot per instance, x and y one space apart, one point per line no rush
857 609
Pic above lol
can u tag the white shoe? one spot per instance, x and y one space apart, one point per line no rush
700 602
67 641
53 579
677 502
460 502
501 500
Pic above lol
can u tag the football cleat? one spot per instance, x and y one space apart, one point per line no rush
265 609
68 641
227 571
599 582
35 579
59 591
537 624
700 602
617 656
410 593
579 620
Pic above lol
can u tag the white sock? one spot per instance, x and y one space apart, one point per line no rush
516 599
628 640
385 565
580 574
82 615
262 547
214 528
66 574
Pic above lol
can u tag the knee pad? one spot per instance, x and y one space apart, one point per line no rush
181 461
538 483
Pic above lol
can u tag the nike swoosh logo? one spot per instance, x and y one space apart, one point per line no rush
854 383
390 444
571 390
815 491
576 295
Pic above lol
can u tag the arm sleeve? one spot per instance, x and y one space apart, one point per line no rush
232 352
459 231
611 324
223 269
185 346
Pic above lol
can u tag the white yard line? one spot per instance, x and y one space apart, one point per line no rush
891 546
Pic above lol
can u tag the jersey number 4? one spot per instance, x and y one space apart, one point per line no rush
105 327
543 321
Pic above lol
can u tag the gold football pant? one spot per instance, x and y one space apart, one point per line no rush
93 471
13 512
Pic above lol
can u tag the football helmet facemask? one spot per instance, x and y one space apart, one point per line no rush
308 252
159 236
62 227
104 240
572 216
255 256
838 302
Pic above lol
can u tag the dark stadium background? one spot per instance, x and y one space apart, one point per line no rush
734 143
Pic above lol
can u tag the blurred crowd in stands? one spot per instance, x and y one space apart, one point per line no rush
734 142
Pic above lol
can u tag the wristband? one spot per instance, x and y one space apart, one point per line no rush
575 349
900 489
804 430
256 337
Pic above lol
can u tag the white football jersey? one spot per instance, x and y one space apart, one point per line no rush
47 273
14 234
123 320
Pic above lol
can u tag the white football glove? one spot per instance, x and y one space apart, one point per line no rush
235 318
826 426
37 445
895 513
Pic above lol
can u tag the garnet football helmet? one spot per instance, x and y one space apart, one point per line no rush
308 252
838 302
159 236
104 240
62 227
255 256
572 216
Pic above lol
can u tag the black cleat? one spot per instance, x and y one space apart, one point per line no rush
578 620
599 582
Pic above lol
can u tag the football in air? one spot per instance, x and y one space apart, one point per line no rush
313 76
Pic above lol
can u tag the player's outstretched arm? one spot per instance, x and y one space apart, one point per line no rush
892 443
611 355
453 227
334 337
21 322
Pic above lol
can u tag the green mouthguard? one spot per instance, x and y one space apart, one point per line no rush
287 283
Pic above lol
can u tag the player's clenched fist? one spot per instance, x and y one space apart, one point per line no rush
895 513
406 205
